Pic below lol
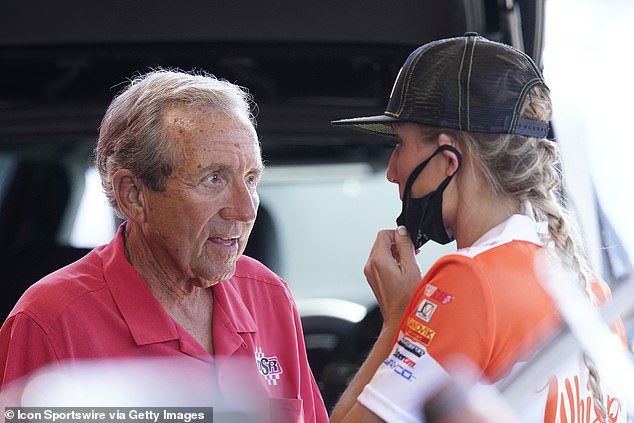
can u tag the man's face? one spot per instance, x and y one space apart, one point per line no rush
200 224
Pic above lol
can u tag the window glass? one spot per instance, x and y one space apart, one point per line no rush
327 218
7 164
94 224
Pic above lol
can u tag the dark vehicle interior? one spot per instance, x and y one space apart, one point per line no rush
305 64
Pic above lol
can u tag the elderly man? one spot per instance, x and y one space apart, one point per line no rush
180 161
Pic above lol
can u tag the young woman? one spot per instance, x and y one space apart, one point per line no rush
473 163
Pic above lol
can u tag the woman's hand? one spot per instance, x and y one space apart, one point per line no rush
393 273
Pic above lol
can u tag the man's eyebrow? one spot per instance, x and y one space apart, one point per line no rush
215 167
259 169
221 167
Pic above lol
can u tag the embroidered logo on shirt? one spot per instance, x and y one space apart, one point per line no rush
420 332
437 294
425 310
269 367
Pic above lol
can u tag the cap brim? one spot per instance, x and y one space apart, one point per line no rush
377 125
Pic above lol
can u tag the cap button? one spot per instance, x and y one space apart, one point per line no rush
471 34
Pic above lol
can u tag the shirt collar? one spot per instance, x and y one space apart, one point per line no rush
230 310
145 316
230 321
518 227
147 320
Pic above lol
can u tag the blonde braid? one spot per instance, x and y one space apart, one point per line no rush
529 170
561 235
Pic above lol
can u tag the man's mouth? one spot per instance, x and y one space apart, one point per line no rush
224 241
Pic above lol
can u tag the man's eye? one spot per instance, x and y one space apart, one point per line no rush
213 179
252 180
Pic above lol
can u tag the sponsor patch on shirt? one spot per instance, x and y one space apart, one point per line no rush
419 331
269 367
402 356
425 310
399 369
412 346
437 294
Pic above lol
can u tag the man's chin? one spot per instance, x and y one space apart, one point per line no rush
219 273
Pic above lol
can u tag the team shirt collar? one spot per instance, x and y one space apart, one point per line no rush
517 227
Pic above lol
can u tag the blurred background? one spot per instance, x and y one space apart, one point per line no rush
588 66
324 193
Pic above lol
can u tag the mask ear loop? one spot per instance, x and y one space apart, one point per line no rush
447 147
418 169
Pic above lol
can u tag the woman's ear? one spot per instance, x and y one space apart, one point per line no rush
128 191
453 161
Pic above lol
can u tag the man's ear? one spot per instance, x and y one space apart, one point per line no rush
453 162
128 191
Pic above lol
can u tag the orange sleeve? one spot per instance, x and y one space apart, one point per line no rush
451 314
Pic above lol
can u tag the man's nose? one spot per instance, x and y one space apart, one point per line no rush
242 204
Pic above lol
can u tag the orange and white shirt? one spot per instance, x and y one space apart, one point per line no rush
482 305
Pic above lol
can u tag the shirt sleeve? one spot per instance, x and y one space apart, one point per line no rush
446 324
24 347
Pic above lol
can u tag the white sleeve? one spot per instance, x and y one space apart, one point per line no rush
403 383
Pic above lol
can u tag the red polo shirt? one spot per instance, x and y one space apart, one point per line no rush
100 308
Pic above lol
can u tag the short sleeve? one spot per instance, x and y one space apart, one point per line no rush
24 347
447 321
452 313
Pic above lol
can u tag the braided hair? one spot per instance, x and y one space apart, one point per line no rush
529 170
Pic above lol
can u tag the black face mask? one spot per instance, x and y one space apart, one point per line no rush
423 216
